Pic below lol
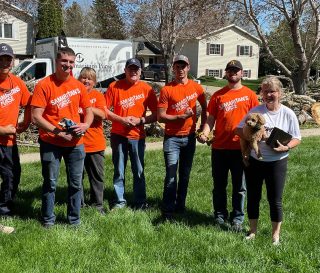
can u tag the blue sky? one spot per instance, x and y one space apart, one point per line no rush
81 2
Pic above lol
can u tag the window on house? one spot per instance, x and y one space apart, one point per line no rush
247 73
243 50
6 31
217 73
215 49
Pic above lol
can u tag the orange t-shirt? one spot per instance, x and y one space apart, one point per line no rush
228 107
93 139
130 100
10 102
60 100
176 98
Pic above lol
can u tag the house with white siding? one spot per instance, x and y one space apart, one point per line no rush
209 54
16 29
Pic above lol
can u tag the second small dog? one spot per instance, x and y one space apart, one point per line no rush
253 131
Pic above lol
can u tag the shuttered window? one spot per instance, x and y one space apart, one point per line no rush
244 50
215 49
6 30
217 73
247 73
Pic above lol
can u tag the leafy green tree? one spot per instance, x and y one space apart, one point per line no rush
109 24
50 19
74 20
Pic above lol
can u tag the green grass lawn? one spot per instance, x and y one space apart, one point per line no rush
252 84
134 241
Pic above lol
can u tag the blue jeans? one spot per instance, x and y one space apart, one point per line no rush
121 147
178 151
10 172
51 156
224 161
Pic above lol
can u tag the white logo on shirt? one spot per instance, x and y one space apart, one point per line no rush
64 99
184 104
130 102
230 105
7 98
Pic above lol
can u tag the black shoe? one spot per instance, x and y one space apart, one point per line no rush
167 216
180 210
101 211
143 206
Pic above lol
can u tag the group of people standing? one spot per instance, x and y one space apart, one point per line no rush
81 144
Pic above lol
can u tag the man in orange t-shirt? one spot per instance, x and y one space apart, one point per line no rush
56 97
13 95
177 109
226 109
130 98
94 140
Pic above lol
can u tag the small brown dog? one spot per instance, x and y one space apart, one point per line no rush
253 131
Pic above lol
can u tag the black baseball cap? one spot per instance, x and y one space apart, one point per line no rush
5 49
234 64
133 61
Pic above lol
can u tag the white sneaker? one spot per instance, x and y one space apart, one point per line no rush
5 229
250 236
275 241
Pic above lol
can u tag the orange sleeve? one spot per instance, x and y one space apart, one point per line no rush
39 98
163 99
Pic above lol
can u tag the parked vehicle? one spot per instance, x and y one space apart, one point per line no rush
155 72
107 57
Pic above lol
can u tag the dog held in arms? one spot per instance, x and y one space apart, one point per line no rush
253 132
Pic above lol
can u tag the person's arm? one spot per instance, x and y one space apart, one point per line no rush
285 148
125 121
98 113
204 114
22 126
148 119
164 117
80 128
8 130
38 120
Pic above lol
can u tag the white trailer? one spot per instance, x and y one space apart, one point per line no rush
107 57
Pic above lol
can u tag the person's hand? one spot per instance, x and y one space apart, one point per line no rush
8 130
188 113
281 148
66 136
130 121
79 129
201 137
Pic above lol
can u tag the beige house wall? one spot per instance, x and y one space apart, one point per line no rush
230 37
22 41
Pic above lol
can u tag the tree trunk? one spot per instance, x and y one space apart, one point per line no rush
168 71
299 83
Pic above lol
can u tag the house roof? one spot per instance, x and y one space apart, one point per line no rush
5 3
227 28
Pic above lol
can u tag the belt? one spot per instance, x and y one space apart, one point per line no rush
178 136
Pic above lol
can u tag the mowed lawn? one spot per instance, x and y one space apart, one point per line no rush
135 241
